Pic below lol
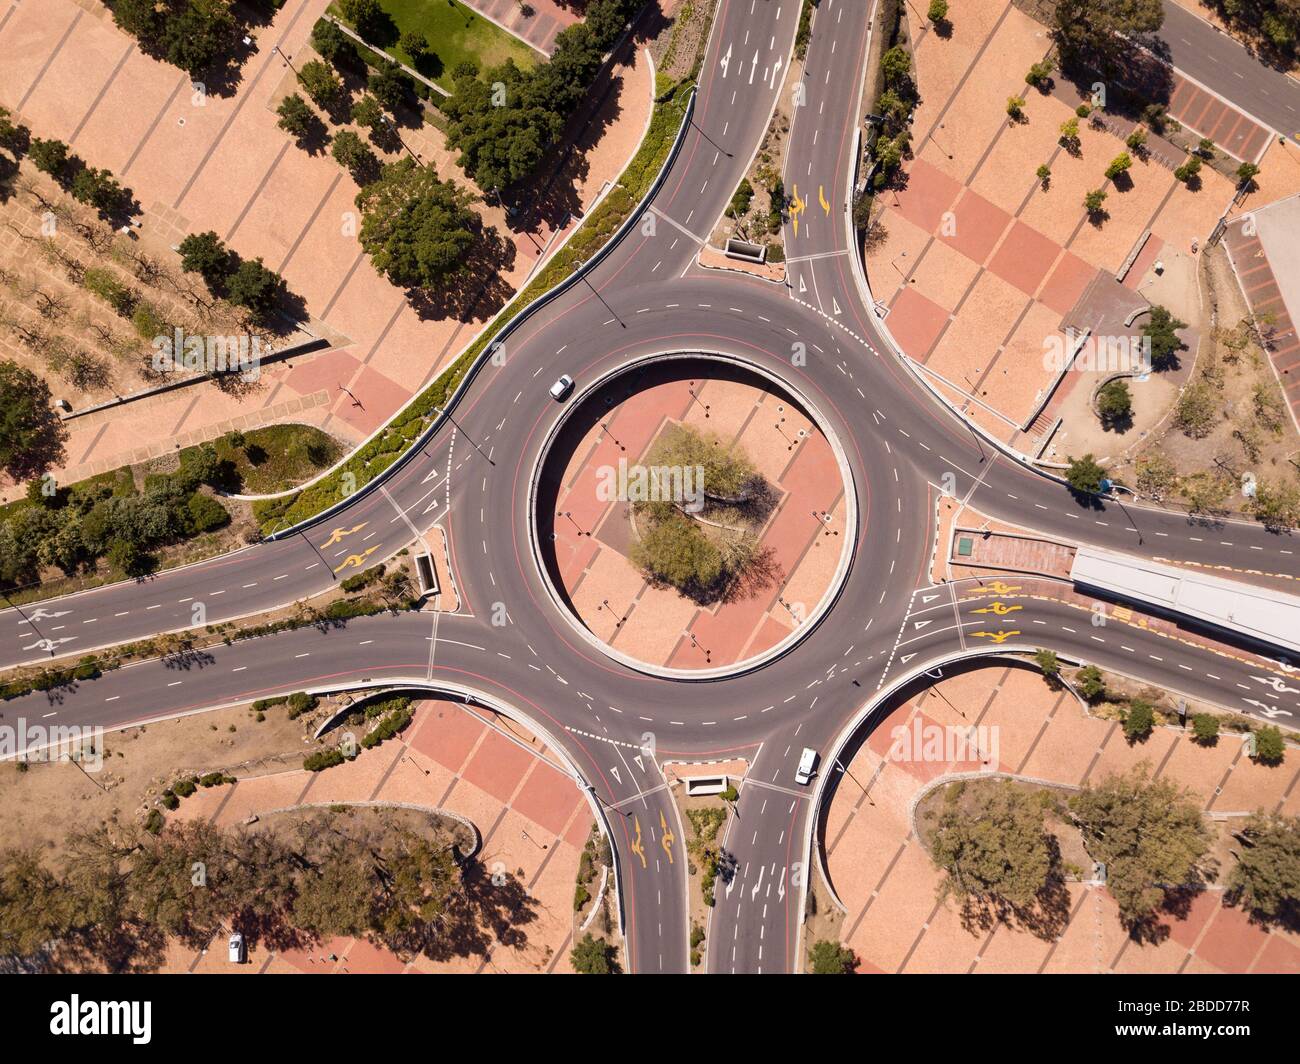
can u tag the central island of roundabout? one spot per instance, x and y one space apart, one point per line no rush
693 514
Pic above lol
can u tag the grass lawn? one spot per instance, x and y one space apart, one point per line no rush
278 457
455 34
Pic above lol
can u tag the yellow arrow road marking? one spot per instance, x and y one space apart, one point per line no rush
637 847
997 637
668 837
357 559
821 198
1000 608
796 208
339 533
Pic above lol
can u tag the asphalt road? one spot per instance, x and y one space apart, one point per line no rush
511 645
1222 64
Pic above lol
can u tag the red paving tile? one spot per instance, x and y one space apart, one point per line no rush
497 766
1067 283
447 735
916 323
929 193
364 957
377 396
814 482
548 798
1231 941
1280 957
1149 253
979 223
1025 257
324 370
1199 913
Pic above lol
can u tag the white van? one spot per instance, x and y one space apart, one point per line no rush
237 953
807 762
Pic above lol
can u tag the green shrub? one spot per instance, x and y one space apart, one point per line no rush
153 823
1139 720
205 513
1205 728
323 759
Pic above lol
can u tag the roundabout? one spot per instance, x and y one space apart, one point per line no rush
693 516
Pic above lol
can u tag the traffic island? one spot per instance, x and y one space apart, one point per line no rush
692 515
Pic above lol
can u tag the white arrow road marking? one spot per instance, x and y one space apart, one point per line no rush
1277 683
754 69
725 62
1267 710
776 70
614 772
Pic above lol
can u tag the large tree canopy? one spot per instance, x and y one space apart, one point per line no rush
417 229
31 435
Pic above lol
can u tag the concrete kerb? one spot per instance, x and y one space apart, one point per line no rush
490 349
797 635
848 732
1024 461
469 694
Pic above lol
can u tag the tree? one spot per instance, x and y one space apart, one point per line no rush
334 45
15 137
1246 174
1119 165
207 255
253 286
1040 72
99 189
896 65
415 45
938 11
1205 148
1266 877
593 956
1189 172
1044 175
417 229
49 156
1115 404
1094 201
1205 729
194 37
1136 141
31 434
1270 747
675 551
351 152
1139 720
1276 505
368 18
1091 683
1015 108
1148 833
320 84
996 856
1085 475
367 113
1049 663
1161 329
1096 30
296 118
828 957
389 85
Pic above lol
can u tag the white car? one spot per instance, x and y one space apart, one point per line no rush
561 388
807 763
237 953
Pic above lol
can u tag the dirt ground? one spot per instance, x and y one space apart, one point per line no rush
46 801
1239 439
